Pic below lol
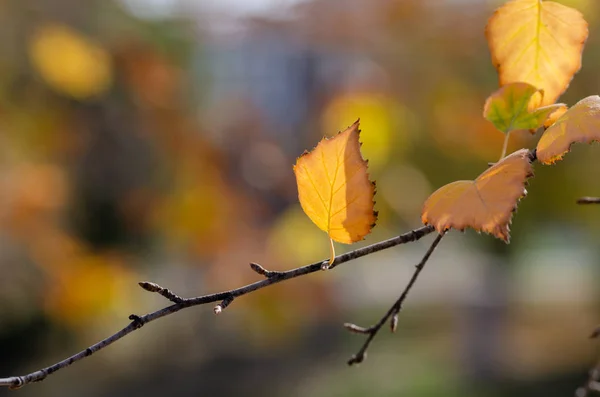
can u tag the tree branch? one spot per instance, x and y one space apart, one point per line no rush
592 384
226 297
588 200
167 293
392 312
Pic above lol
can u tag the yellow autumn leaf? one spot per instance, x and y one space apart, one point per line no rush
334 188
581 123
537 42
381 114
69 62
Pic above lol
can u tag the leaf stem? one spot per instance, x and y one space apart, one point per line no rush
505 145
331 251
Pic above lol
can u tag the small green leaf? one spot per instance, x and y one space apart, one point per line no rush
512 107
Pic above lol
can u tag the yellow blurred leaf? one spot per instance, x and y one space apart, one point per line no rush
293 239
457 128
69 62
485 204
87 288
581 123
334 188
537 42
83 287
380 114
32 194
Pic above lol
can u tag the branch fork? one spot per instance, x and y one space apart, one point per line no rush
392 313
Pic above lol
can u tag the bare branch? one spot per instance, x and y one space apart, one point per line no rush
262 271
393 311
221 306
153 287
394 322
226 297
357 329
588 200
592 384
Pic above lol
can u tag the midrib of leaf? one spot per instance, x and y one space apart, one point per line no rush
538 29
511 105
331 193
535 41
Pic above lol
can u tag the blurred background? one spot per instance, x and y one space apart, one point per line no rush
154 140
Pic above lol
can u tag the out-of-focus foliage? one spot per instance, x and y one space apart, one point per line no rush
378 112
173 164
70 63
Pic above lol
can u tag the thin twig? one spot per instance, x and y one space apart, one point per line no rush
392 312
264 272
221 306
226 297
165 292
357 329
588 200
592 384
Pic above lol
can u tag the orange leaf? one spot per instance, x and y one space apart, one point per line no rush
334 188
485 204
581 123
537 42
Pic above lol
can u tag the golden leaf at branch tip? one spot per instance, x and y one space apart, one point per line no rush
485 204
537 42
334 187
581 123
